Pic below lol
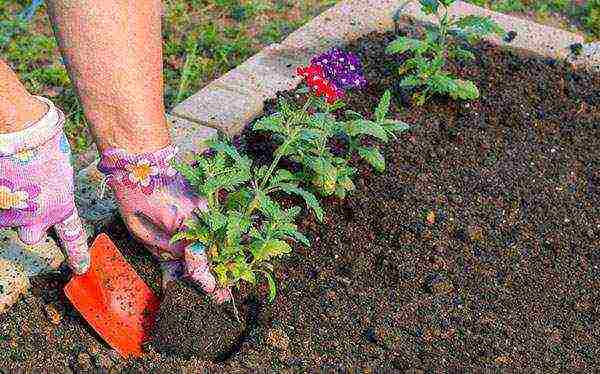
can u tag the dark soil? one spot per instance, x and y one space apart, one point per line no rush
478 248
190 325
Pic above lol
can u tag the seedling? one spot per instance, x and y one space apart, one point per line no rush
244 229
328 170
426 67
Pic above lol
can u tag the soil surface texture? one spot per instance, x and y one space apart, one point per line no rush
477 248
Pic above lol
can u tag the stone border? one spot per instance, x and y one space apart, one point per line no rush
237 97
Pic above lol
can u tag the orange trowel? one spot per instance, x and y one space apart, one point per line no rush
114 300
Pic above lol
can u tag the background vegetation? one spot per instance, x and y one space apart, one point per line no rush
203 39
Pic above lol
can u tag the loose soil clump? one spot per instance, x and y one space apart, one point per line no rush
189 324
476 249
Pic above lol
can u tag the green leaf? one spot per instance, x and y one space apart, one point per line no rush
410 81
299 237
272 287
466 90
273 123
355 115
179 236
268 206
308 197
283 175
364 127
319 165
383 107
395 126
479 26
442 84
308 135
242 270
403 44
221 272
429 6
462 54
188 172
373 157
248 276
340 192
264 250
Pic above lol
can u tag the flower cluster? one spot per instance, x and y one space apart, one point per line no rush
332 72
316 80
341 68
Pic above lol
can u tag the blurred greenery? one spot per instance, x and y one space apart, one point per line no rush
203 39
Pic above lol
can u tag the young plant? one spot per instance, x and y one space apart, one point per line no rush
426 68
312 129
244 229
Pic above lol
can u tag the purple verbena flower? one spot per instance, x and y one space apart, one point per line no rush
342 68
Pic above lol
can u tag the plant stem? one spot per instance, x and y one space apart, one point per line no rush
279 154
237 316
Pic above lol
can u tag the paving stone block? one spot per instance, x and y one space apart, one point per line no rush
33 259
544 40
19 261
342 23
13 283
271 70
188 136
220 107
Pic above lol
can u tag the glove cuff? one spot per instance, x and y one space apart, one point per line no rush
35 135
143 171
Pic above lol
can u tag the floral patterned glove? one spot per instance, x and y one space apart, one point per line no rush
36 186
154 201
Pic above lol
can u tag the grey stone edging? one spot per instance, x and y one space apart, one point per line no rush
237 98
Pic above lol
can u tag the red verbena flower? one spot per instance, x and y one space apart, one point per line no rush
315 79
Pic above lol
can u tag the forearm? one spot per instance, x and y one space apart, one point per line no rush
17 107
112 50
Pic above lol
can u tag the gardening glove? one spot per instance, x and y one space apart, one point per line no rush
36 186
155 201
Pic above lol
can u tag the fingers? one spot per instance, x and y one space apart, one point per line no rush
171 270
197 269
31 234
154 238
74 240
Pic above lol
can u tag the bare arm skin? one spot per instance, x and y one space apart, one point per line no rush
113 53
17 107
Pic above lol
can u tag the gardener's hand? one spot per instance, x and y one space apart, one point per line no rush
36 187
155 201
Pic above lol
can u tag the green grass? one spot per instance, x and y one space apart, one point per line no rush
203 39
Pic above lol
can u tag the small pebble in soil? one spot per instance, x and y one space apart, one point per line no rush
84 361
189 324
278 338
53 314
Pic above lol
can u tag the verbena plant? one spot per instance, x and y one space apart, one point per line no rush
244 229
425 69
310 135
